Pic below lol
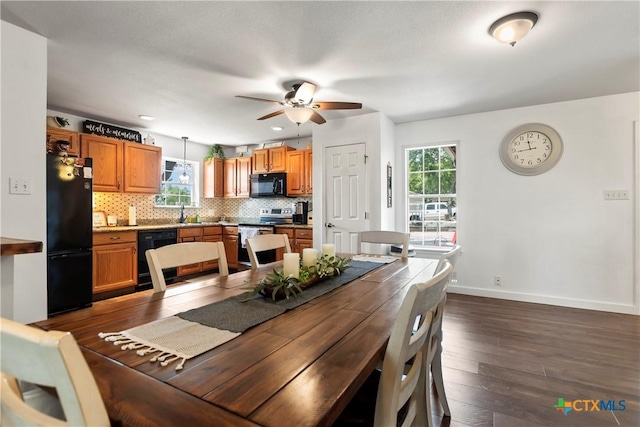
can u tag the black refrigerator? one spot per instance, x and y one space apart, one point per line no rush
69 233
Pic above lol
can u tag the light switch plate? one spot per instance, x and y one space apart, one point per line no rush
616 194
19 185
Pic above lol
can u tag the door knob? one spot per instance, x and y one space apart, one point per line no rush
329 225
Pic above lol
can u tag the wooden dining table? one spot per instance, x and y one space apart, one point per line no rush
300 368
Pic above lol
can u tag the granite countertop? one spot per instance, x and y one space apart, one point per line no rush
185 225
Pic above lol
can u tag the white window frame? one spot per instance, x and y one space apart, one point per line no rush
449 235
194 182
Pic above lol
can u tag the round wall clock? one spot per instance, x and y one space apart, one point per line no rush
531 149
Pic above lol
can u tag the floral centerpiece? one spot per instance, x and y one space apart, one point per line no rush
277 285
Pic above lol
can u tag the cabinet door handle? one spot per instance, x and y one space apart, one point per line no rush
118 185
114 238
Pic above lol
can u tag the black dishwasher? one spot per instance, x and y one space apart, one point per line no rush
153 240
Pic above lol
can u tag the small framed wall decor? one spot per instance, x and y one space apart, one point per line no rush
99 219
389 185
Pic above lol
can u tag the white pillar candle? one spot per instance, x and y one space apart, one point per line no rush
309 256
329 249
291 264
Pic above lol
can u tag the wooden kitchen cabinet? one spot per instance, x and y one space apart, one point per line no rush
211 234
270 159
303 239
56 134
300 173
237 175
121 166
213 178
230 240
191 234
115 260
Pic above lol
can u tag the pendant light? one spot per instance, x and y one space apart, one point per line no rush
184 178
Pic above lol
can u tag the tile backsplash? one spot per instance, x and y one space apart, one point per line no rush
210 209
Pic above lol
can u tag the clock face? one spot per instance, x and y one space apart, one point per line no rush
531 149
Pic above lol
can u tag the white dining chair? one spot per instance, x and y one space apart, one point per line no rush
180 254
386 238
403 395
266 242
47 359
451 256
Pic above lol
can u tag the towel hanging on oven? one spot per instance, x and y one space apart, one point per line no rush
247 233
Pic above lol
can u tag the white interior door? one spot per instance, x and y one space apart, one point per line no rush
345 207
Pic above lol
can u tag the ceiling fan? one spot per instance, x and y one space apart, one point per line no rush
300 106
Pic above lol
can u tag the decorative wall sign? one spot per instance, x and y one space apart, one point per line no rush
389 174
97 128
99 219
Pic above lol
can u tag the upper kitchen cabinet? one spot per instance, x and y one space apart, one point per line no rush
213 178
57 134
237 174
300 173
121 166
270 159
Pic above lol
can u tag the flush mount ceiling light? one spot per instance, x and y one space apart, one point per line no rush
145 117
298 115
184 178
511 28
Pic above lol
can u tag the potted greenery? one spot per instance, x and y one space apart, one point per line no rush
278 286
57 121
215 152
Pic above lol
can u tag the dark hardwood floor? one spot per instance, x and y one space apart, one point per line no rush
507 363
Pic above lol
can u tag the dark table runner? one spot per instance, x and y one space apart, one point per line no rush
234 315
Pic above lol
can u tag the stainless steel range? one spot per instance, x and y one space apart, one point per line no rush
265 225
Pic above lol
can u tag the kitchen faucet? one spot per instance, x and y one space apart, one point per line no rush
182 217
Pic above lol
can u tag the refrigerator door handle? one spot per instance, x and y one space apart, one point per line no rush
58 256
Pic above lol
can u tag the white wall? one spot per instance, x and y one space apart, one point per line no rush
22 154
552 237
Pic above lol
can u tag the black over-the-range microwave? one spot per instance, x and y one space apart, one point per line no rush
269 185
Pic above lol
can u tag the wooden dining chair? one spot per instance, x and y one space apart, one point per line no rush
48 359
180 254
385 237
266 242
403 396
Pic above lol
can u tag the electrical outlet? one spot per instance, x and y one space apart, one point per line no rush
19 186
497 280
616 194
454 277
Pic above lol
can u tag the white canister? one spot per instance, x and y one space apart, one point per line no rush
112 220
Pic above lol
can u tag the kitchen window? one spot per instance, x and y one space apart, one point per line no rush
173 191
432 201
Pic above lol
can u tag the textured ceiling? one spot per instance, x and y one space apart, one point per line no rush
184 62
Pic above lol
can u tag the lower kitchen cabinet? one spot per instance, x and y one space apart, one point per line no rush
299 238
191 234
115 260
211 234
230 240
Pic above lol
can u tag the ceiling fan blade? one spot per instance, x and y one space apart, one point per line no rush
337 105
304 94
260 99
317 118
268 116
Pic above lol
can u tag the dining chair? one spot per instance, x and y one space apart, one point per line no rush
403 394
180 254
47 359
451 256
385 237
266 242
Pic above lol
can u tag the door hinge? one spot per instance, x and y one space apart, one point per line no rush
365 159
366 215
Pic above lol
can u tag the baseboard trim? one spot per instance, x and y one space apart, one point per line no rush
545 299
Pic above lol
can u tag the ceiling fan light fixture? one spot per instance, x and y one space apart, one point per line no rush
299 115
512 28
